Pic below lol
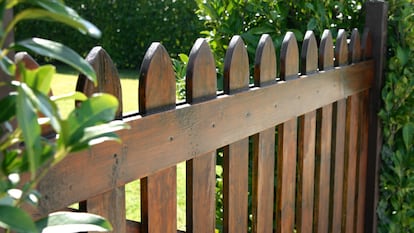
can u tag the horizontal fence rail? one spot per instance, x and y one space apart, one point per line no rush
301 131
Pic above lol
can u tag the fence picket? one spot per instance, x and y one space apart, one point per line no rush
338 138
366 52
287 143
306 144
323 185
264 145
236 155
351 140
158 191
111 204
201 83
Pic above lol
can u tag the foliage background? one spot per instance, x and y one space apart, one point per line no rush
130 26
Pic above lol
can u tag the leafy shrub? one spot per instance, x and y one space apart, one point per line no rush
128 28
396 206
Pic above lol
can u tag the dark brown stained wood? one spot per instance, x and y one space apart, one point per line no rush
338 139
106 74
306 144
351 142
355 47
236 155
366 44
376 19
148 144
111 204
156 78
366 47
235 66
287 144
159 190
323 186
264 145
326 51
201 83
265 66
289 67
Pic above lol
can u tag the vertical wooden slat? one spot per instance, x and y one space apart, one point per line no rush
376 19
264 145
306 144
323 185
366 51
201 84
236 155
338 138
111 204
287 133
351 142
158 191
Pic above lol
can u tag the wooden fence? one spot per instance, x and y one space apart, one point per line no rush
322 178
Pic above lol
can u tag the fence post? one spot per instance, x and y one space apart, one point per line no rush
376 21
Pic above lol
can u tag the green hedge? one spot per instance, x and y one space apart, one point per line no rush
128 28
396 206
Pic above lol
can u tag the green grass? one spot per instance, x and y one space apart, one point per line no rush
65 82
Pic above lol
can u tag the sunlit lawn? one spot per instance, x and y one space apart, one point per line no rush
65 82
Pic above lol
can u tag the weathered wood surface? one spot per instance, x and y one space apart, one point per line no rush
158 190
236 154
194 125
201 171
264 145
287 143
323 186
306 144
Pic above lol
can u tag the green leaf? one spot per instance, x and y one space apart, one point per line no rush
65 222
402 55
183 57
100 133
7 65
59 52
27 121
16 219
8 108
408 135
98 109
39 79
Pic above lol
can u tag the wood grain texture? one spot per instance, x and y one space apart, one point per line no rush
351 142
158 191
236 155
366 50
111 204
201 83
264 145
287 144
376 19
306 145
323 186
106 75
149 148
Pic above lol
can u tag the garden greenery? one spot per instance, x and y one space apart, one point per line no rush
25 154
396 204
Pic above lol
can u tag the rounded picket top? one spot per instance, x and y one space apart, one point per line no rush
106 74
156 81
236 67
309 56
341 49
355 47
366 44
326 51
265 64
201 77
289 57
